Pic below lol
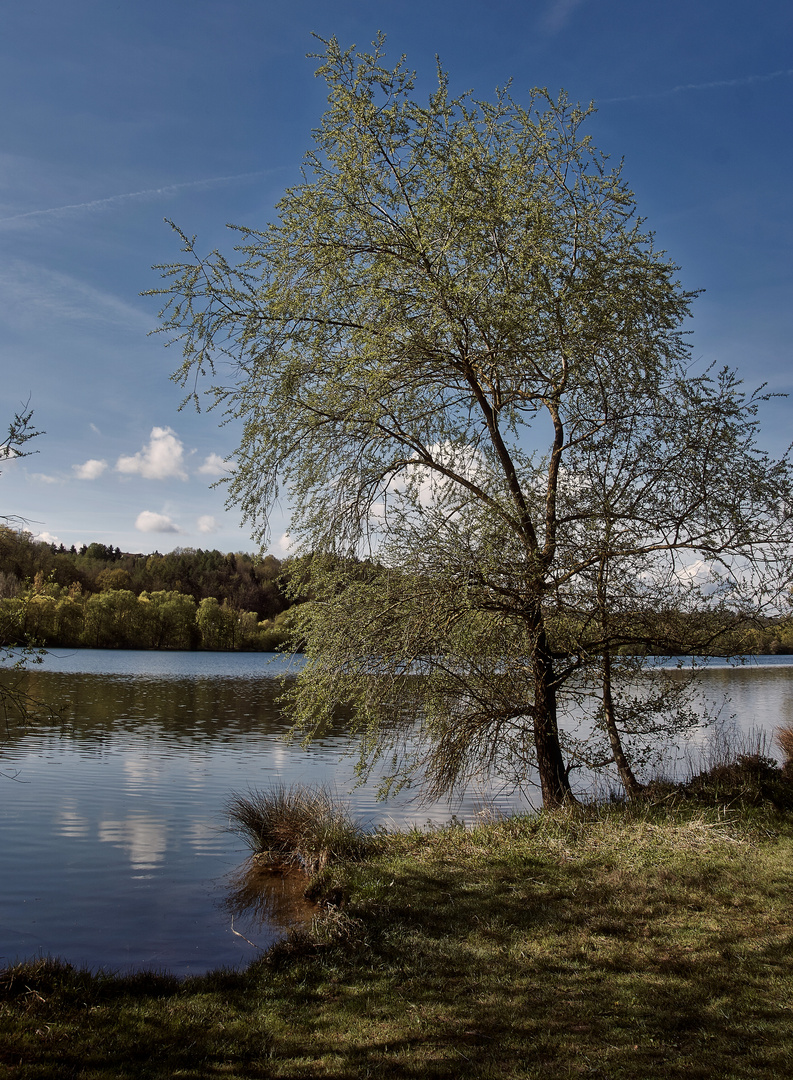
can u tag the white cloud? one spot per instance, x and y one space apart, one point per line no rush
130 196
213 465
207 524
697 572
90 469
285 542
47 538
148 521
161 459
95 429
43 478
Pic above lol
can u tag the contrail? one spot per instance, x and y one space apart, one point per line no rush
168 189
745 81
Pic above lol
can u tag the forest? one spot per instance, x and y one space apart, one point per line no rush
97 596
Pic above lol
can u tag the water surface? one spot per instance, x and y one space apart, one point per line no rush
115 851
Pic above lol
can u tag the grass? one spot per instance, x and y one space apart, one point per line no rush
750 780
639 941
784 738
298 825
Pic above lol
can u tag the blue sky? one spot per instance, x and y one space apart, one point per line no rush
116 116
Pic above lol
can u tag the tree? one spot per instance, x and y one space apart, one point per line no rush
113 620
14 698
451 350
20 431
215 624
171 618
108 579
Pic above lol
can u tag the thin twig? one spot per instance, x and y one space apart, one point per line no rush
253 943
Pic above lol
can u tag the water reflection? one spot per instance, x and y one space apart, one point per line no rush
142 838
195 711
261 898
69 823
114 847
204 837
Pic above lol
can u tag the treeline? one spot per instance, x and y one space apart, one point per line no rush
774 638
242 581
100 597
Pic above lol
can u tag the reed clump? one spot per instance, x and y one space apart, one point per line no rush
784 739
298 826
752 780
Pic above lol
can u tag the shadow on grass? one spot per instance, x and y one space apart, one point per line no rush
542 966
565 973
58 1021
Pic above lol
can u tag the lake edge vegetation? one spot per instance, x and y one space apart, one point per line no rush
621 940
101 597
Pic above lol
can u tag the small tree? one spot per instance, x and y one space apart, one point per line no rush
216 623
20 431
21 651
448 350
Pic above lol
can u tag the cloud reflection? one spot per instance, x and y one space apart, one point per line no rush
69 823
142 838
141 770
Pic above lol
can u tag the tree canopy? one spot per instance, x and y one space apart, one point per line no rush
457 351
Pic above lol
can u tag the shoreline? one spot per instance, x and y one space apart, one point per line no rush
629 940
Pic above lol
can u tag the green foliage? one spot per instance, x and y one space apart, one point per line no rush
100 552
459 354
171 619
103 598
113 620
216 624
20 431
249 583
113 579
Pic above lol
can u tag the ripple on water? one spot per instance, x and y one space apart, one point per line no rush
115 847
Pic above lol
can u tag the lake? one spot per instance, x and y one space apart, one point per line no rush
115 850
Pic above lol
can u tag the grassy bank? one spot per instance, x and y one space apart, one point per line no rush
613 942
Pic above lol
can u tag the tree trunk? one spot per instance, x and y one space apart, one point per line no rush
630 783
554 780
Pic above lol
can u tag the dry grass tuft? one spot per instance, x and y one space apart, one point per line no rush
299 825
784 739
